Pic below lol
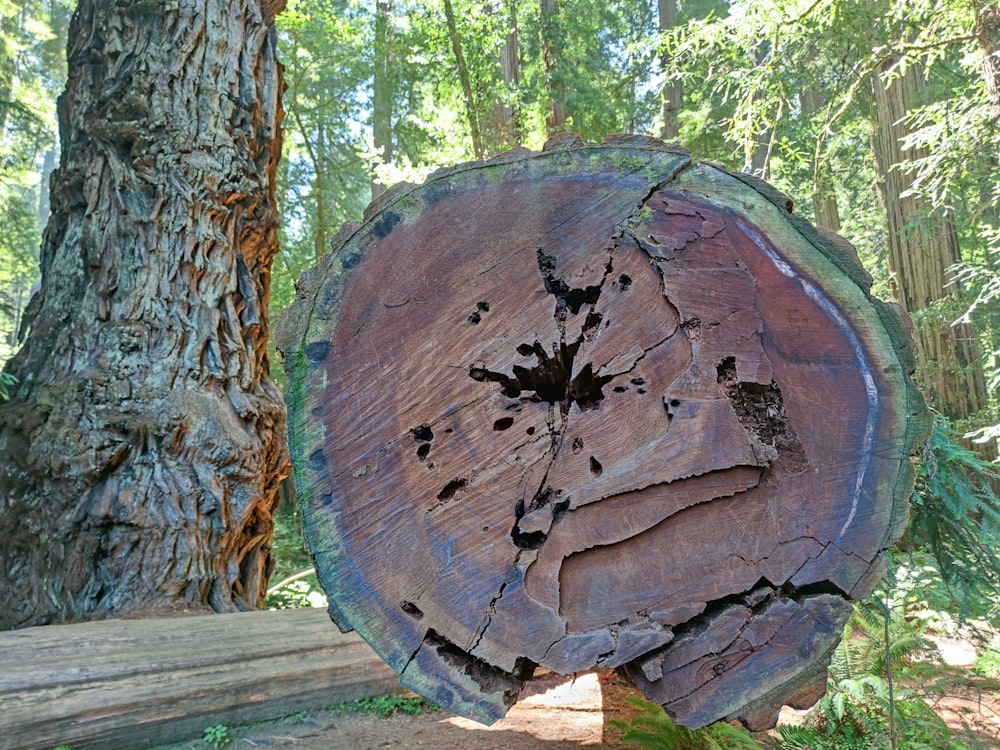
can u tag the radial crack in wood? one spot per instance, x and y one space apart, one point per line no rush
598 406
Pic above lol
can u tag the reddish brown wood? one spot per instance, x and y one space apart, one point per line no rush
598 406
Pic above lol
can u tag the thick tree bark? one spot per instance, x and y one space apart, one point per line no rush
598 406
144 444
922 247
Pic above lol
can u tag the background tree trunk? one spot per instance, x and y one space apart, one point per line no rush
988 39
673 89
551 61
9 26
383 89
144 443
921 248
824 197
505 128
471 106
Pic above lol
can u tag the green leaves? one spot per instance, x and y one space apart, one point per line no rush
32 71
955 515
654 730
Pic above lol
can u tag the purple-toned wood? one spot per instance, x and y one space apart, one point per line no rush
598 406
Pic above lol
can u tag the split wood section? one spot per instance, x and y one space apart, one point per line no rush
137 683
598 406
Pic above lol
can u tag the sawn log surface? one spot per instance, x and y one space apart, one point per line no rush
117 684
598 406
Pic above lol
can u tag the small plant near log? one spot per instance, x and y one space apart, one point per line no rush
217 736
955 517
387 705
653 729
6 381
987 662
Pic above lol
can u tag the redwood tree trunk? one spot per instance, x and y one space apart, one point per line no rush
504 128
551 62
144 444
922 247
988 38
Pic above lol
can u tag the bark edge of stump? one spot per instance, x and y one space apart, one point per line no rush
599 406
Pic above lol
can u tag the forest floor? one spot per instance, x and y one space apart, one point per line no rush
554 713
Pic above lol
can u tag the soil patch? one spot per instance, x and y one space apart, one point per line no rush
554 713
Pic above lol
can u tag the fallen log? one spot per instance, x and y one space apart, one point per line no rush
598 406
137 683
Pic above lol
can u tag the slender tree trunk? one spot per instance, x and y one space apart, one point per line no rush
988 37
145 442
317 155
757 148
758 161
471 110
44 206
505 130
551 62
672 96
921 248
319 187
10 24
824 197
383 89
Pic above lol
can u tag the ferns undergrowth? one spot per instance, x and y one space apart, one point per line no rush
886 673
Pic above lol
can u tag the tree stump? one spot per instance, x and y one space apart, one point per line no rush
598 406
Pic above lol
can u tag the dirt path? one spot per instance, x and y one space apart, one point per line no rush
558 713
554 713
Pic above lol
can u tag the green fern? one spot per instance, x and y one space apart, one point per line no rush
854 713
955 515
6 381
653 729
810 738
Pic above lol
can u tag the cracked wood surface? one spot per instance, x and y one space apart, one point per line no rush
598 406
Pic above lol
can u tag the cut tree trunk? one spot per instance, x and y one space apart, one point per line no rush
599 406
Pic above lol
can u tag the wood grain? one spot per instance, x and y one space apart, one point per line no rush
136 683
598 406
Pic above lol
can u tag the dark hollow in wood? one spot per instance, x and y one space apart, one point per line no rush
598 406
